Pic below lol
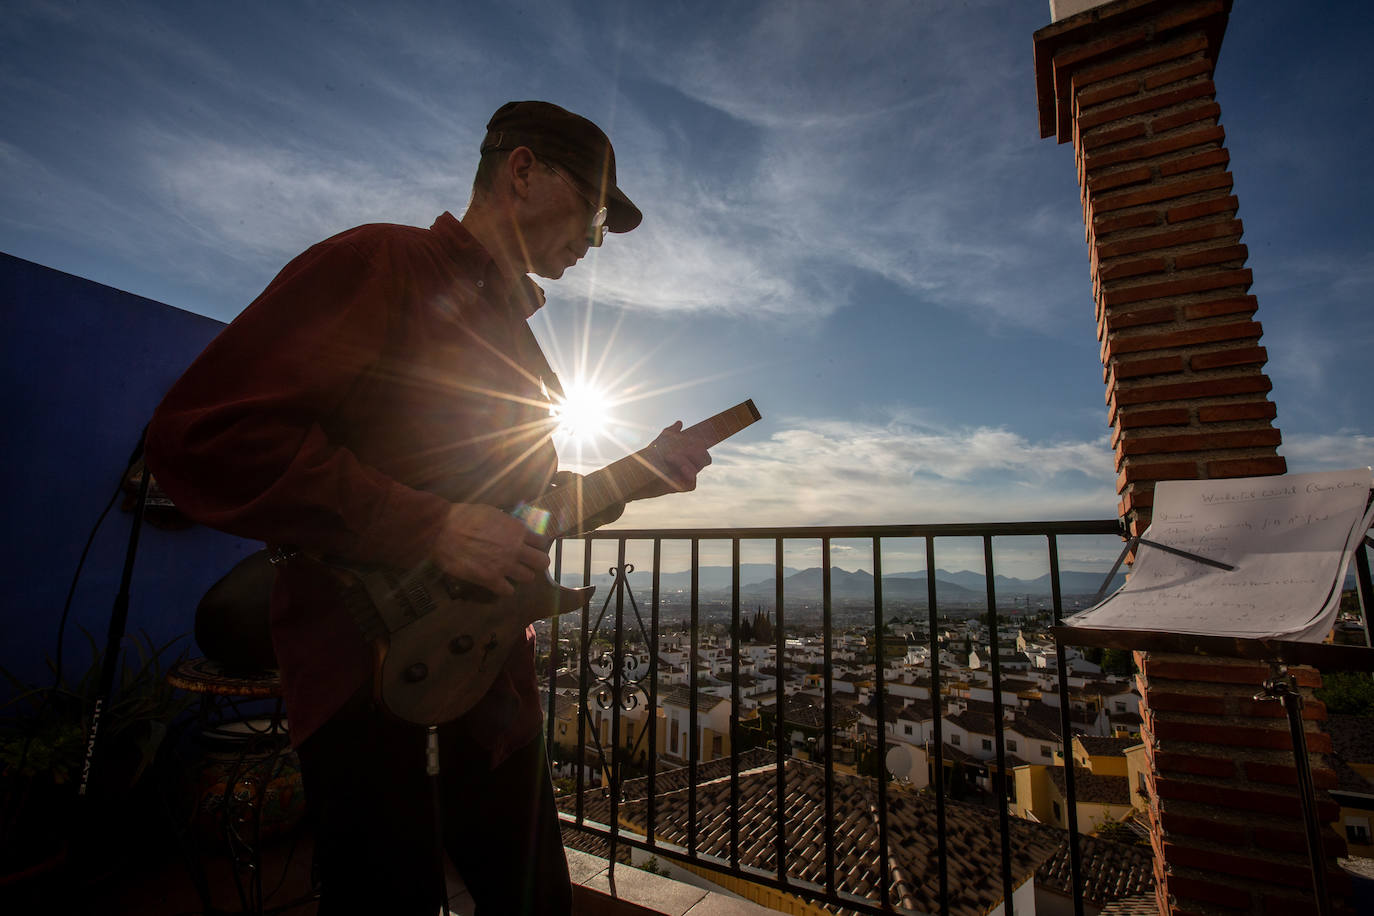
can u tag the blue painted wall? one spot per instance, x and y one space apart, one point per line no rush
83 367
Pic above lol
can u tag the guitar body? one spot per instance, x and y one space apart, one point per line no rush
440 643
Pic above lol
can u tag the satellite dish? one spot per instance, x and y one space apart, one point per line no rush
899 762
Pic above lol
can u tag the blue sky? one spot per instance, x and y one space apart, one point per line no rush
849 217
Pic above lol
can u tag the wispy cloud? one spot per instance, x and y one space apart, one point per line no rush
268 199
898 471
842 161
826 140
849 473
1332 452
829 473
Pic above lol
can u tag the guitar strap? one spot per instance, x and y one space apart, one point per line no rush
532 355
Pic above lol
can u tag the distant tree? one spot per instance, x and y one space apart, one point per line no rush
763 627
746 631
1348 693
1118 661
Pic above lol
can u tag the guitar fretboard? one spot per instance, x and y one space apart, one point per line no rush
568 506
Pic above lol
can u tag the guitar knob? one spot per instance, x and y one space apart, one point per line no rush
416 673
460 644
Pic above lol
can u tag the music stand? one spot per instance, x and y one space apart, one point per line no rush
1307 497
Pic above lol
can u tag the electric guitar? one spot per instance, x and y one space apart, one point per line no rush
440 642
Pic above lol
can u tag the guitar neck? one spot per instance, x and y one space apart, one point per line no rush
569 505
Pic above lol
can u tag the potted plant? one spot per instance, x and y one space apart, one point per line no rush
43 732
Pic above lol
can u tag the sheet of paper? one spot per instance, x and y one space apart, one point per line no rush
1290 539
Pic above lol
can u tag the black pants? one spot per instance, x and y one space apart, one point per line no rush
372 804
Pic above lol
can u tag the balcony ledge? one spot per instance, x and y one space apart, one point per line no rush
641 893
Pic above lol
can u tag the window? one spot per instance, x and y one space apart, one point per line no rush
987 744
1058 813
1357 831
1045 750
1120 705
1011 746
907 729
954 740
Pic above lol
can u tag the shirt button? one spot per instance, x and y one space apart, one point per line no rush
481 283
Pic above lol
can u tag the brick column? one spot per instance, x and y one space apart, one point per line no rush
1129 82
1226 820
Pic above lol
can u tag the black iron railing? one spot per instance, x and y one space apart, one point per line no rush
638 789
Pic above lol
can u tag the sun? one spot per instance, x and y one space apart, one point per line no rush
583 413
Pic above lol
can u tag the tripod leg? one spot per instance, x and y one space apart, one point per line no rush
432 768
1292 703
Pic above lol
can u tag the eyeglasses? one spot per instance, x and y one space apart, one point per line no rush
597 230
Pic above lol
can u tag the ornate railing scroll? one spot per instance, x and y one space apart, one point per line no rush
620 688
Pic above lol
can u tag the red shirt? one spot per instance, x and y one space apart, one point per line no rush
383 374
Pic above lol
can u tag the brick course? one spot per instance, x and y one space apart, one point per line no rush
1155 147
1173 238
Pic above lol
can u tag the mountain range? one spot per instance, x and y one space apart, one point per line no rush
964 587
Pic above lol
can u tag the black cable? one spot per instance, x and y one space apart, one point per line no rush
71 593
76 577
134 457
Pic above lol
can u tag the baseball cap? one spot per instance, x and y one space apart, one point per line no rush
569 140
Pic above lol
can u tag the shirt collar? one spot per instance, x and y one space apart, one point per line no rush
520 293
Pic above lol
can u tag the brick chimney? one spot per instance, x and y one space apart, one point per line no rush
1129 82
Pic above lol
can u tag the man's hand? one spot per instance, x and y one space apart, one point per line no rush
485 546
677 459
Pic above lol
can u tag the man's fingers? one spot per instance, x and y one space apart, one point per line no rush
686 476
531 562
484 546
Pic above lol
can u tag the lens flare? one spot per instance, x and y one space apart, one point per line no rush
583 413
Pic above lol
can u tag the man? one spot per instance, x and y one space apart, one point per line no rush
382 402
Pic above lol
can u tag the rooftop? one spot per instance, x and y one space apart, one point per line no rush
1098 746
972 835
1092 788
1112 871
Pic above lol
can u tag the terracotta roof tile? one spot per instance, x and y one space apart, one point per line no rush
1092 788
1111 870
973 839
